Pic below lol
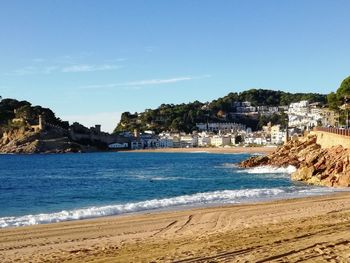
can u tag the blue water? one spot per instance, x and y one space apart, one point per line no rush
75 186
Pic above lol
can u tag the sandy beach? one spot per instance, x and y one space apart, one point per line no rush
263 150
314 229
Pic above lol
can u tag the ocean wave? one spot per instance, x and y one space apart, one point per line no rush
215 197
269 170
228 165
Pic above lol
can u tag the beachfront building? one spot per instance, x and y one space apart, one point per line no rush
220 141
256 140
189 141
118 145
204 139
166 143
278 136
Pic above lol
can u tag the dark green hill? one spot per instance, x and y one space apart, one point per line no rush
183 117
11 108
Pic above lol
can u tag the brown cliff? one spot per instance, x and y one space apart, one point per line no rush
23 140
328 167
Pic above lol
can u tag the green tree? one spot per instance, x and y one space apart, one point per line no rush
333 101
344 89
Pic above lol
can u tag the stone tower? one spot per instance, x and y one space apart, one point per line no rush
136 133
41 123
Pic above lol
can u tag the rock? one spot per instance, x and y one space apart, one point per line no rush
22 140
303 173
343 180
255 161
328 167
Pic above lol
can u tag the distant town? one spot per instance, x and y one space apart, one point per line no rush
302 116
247 119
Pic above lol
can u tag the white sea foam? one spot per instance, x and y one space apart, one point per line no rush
269 170
208 198
228 165
216 197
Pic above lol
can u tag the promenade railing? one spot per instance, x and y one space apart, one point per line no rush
339 131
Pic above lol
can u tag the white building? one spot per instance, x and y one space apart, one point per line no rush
204 141
136 145
277 135
189 141
259 140
166 143
118 145
218 141
303 115
299 108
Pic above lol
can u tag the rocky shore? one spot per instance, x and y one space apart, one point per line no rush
315 165
49 141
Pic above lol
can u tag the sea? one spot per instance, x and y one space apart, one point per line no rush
47 188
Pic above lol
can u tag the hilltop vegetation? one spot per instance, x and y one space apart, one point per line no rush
11 108
183 117
336 99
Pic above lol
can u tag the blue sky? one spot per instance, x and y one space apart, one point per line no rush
91 60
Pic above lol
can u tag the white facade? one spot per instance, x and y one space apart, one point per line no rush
189 141
302 116
204 141
220 140
166 143
136 145
255 140
277 135
299 108
118 145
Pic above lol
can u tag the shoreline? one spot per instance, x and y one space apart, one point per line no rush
259 230
217 150
221 150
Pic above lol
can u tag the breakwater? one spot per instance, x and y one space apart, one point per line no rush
329 137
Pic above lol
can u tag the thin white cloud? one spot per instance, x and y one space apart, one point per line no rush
156 81
89 68
34 70
140 83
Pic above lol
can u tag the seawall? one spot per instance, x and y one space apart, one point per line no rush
328 139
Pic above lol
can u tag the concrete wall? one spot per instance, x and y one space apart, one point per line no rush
327 139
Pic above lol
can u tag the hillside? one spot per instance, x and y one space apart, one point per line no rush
183 117
25 114
33 129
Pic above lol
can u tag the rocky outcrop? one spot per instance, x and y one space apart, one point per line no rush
317 166
23 140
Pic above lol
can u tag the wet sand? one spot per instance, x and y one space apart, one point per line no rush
263 150
315 229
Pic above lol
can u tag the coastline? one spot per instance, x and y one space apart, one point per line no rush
294 229
221 150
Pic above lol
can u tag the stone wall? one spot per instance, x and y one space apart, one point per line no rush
328 139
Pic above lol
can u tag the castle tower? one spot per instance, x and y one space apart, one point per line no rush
41 123
136 133
98 128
